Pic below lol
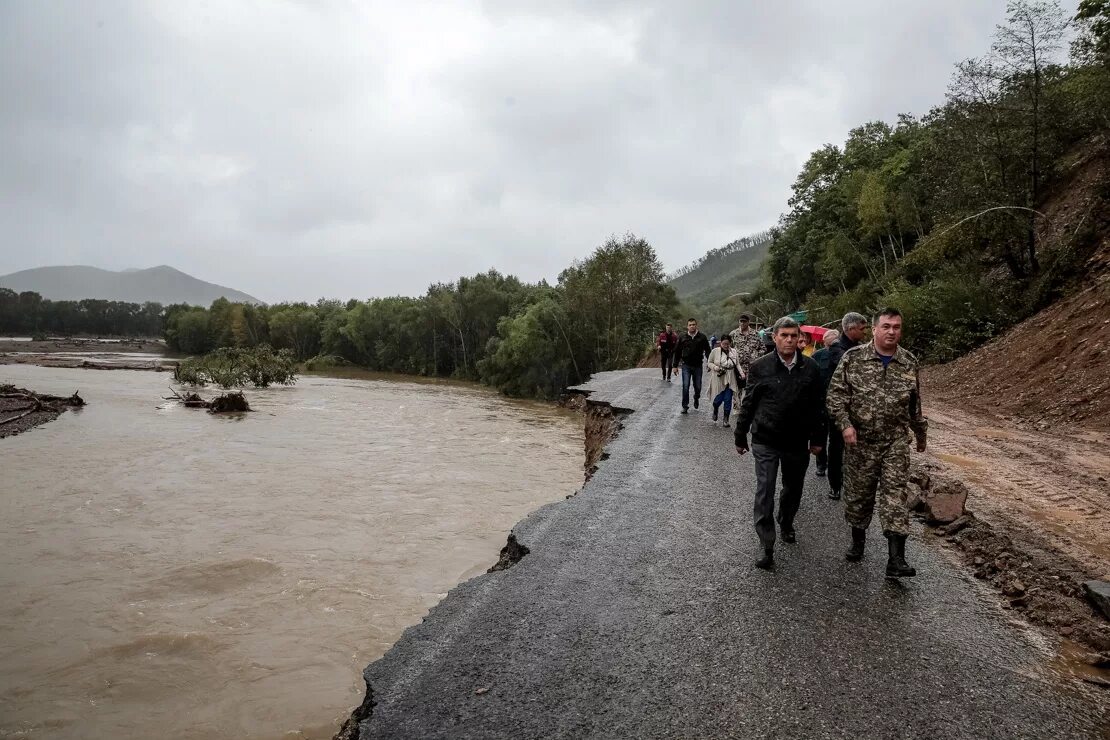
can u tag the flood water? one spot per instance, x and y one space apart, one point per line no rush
170 573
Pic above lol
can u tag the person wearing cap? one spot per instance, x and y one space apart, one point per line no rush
747 343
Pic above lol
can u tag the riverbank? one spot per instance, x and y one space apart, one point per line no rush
634 611
21 409
87 353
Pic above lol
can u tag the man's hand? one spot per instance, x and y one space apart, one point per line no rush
674 371
849 434
815 450
920 444
740 450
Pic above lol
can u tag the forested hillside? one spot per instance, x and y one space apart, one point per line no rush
975 215
710 287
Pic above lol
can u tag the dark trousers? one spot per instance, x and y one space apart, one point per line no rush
666 361
690 374
823 455
836 458
768 461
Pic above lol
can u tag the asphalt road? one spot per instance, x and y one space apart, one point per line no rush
638 613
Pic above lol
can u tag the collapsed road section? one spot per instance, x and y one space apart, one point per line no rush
637 613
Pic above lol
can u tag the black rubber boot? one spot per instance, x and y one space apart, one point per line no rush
859 541
767 562
896 565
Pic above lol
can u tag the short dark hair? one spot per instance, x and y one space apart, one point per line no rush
691 319
888 312
745 317
724 337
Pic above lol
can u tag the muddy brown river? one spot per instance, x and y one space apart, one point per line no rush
170 573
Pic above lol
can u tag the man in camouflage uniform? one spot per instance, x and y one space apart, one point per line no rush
747 343
874 400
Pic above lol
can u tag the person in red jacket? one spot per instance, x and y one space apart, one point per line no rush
666 344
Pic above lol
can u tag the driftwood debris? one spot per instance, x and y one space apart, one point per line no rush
190 400
227 402
35 403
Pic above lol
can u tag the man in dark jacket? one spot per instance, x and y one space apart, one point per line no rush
781 410
690 354
853 330
665 344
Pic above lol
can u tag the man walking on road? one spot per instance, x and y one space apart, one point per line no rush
854 329
874 399
821 357
781 409
690 352
666 344
746 342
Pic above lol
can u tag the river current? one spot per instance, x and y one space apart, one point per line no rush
171 573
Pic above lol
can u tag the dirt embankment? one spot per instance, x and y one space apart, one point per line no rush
1053 370
1021 425
603 423
21 409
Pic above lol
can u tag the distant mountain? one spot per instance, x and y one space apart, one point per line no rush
722 272
162 284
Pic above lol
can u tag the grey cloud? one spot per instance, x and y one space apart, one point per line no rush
298 150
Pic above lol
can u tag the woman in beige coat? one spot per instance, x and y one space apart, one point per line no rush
723 385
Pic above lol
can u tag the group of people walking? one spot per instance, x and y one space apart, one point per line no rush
852 405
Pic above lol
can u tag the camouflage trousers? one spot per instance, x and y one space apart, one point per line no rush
877 472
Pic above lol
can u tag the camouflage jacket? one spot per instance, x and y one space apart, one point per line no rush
881 403
749 347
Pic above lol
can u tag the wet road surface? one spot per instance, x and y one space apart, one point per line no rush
638 613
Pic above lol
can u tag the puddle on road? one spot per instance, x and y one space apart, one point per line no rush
963 462
1074 661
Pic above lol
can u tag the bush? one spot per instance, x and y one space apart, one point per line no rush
233 367
951 314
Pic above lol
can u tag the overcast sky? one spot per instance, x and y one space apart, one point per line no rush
353 149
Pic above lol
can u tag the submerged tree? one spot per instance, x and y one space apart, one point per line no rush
234 367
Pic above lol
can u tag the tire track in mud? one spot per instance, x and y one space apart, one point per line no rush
1053 483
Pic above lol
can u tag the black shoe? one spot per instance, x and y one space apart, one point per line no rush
695 403
789 537
896 565
767 562
726 421
859 541
834 495
820 472
685 410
